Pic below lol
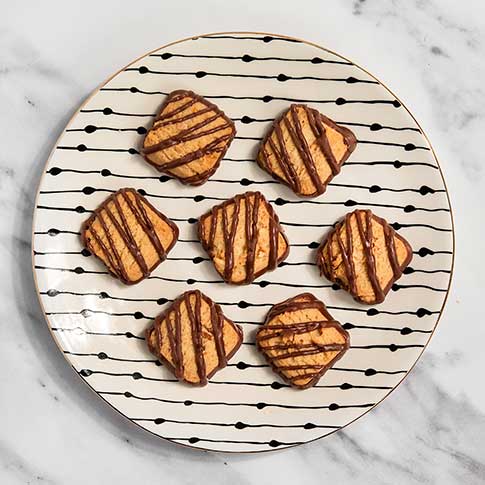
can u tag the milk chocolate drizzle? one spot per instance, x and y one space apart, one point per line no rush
220 215
364 220
193 132
279 145
113 220
172 319
277 353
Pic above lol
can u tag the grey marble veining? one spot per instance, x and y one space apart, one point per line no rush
54 430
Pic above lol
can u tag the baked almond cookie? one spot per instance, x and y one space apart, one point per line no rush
301 340
129 235
243 237
194 338
305 150
188 138
364 255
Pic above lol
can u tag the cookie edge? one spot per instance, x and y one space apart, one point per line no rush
387 288
222 154
159 319
272 213
323 309
349 139
85 226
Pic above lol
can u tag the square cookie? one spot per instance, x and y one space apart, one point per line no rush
194 338
129 235
364 255
301 340
188 138
305 150
243 237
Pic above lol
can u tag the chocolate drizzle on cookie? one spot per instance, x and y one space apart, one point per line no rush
227 215
284 149
186 315
193 141
344 242
286 343
113 220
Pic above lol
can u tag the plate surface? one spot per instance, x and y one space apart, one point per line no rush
99 323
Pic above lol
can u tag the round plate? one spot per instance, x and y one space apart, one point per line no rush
99 323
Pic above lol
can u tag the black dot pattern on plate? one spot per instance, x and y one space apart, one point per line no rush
100 324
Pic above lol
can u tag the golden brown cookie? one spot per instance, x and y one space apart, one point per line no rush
243 237
193 338
305 150
364 255
301 340
188 138
129 235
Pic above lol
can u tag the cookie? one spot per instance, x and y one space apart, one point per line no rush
129 235
364 255
305 150
194 338
188 138
301 340
243 237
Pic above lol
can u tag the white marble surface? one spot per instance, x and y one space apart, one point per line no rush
53 429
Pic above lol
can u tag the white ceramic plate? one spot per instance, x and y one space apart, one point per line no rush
99 323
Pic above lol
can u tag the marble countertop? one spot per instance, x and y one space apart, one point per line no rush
54 430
